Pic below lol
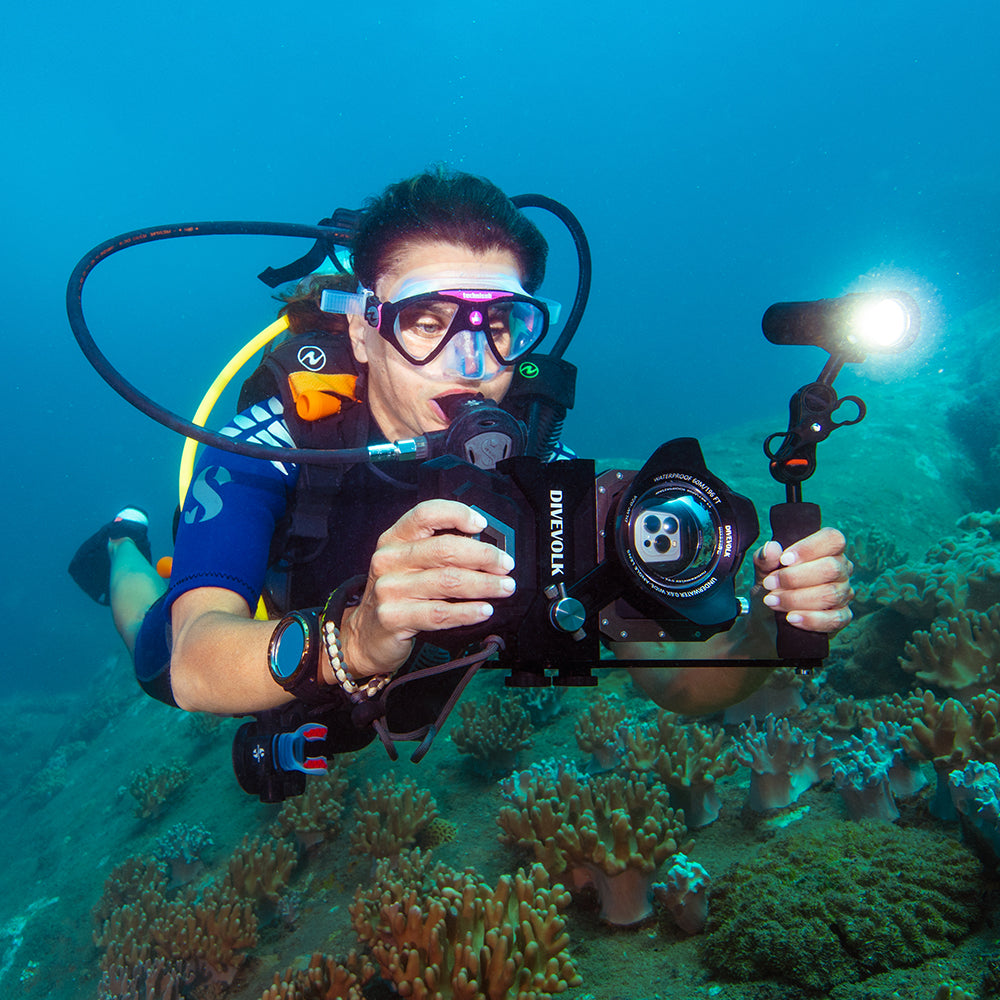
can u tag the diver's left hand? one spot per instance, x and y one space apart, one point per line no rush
810 581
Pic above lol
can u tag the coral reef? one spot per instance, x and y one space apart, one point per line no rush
782 761
687 759
597 731
873 769
390 816
609 832
314 816
684 894
195 938
960 654
155 786
443 933
958 574
840 903
942 734
975 792
183 849
493 732
323 979
260 869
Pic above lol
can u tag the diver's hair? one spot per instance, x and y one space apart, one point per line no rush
447 206
302 305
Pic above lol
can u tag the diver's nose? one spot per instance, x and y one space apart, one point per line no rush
472 359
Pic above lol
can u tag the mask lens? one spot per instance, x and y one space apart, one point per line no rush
515 328
421 326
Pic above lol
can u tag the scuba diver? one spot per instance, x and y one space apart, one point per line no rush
441 303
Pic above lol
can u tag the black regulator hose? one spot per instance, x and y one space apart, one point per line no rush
327 238
572 223
125 389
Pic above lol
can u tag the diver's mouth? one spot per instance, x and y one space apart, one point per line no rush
449 402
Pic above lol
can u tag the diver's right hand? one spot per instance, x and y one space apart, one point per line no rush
426 574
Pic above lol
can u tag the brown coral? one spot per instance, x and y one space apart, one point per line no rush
687 759
597 729
323 979
260 869
390 816
444 933
609 832
155 786
493 732
315 815
961 653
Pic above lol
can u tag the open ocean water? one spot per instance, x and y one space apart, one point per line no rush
720 159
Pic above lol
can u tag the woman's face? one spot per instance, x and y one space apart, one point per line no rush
403 397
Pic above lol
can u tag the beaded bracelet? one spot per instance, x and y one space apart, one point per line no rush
347 595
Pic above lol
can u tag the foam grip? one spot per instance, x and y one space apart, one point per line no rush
789 523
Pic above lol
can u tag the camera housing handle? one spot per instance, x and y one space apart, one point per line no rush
789 523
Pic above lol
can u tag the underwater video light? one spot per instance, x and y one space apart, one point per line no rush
850 327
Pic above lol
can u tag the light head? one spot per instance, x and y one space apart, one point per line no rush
850 327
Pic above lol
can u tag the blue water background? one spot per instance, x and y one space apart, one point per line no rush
721 157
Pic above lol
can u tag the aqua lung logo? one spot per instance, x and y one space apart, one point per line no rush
557 546
311 357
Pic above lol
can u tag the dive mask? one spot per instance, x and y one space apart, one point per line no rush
463 330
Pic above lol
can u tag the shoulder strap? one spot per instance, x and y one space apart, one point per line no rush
321 389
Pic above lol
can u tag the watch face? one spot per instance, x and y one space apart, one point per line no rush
288 646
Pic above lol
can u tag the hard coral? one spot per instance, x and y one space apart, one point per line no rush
493 732
442 933
687 759
609 832
390 817
840 903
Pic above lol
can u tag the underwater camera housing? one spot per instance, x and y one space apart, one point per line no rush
638 557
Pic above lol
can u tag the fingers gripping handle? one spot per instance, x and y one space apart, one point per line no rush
789 523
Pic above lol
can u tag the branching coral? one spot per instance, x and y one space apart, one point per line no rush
260 869
942 734
783 762
961 653
596 730
153 787
493 732
201 937
315 815
957 574
840 903
687 759
441 933
323 979
390 816
609 832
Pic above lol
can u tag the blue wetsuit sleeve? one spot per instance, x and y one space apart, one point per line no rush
231 510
